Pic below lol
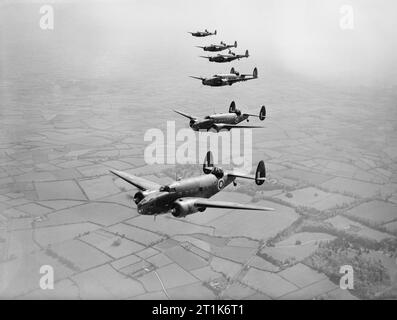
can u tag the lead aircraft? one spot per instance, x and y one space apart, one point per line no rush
191 195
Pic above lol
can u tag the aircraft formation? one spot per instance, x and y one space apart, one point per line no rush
191 195
227 79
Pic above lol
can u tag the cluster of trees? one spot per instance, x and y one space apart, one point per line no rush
370 276
351 238
61 259
272 260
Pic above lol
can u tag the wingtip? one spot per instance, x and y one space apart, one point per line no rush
115 172
198 78
268 209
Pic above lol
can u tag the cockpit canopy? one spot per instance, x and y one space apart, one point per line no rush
217 172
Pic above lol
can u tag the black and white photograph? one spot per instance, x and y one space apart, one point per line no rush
204 150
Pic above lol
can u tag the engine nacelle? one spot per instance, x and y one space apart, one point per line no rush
138 197
184 207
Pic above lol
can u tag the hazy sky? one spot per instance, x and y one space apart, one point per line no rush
303 37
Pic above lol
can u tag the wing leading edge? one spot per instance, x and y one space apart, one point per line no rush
205 203
234 126
140 183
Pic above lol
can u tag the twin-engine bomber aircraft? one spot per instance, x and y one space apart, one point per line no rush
220 80
218 47
223 121
190 195
204 33
231 56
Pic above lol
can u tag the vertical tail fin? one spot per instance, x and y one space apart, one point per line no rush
232 71
208 163
235 44
260 175
246 53
232 107
262 113
255 73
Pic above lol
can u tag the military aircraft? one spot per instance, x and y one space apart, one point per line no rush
227 57
218 47
187 196
223 121
220 80
204 33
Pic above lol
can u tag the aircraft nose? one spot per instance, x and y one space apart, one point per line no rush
143 206
140 209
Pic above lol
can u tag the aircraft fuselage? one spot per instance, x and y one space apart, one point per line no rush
201 34
222 58
204 186
225 80
210 121
216 48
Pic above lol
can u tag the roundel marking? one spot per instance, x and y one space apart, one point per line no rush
221 183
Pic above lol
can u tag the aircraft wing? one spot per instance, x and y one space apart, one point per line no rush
245 78
206 203
140 183
185 115
245 176
232 126
198 78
